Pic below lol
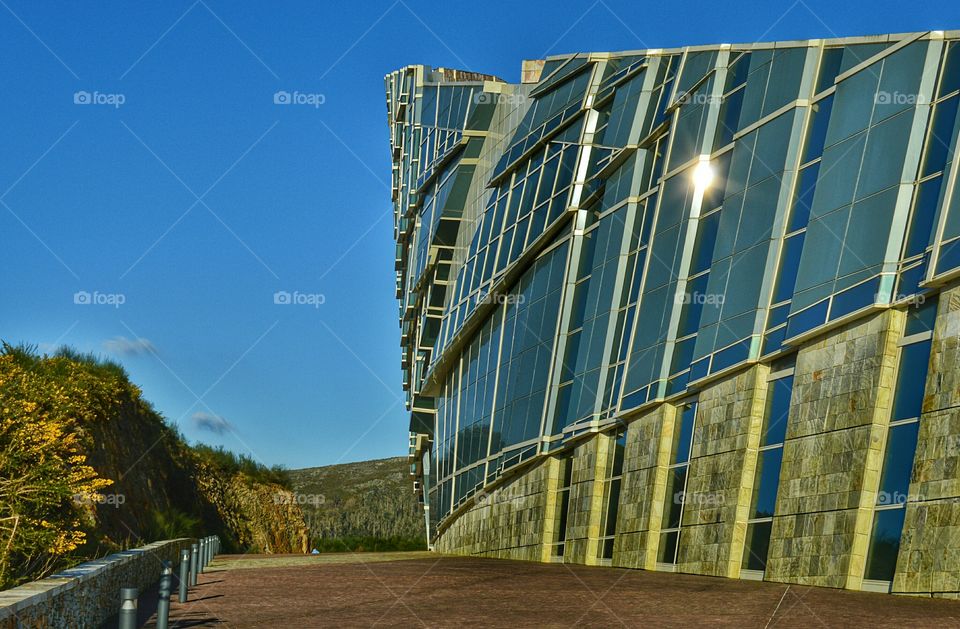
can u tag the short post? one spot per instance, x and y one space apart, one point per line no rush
128 608
163 601
184 574
203 553
194 560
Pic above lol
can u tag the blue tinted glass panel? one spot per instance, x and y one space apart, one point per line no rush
683 354
951 70
910 280
706 239
922 318
911 380
924 213
668 547
854 299
757 546
941 136
699 369
885 544
773 341
765 489
949 257
829 68
808 319
634 399
898 463
807 185
684 433
817 135
778 409
730 356
674 497
789 265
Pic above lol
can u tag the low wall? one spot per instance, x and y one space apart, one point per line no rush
88 594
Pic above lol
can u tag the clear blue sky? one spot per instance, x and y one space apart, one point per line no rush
197 198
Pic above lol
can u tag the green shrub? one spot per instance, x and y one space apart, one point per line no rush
231 463
368 544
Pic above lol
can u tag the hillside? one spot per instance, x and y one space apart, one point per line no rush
360 506
88 467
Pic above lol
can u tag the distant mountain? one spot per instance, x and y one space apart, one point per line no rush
360 506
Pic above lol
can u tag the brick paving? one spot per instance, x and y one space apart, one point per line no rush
420 589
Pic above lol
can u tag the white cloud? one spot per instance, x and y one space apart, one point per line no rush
129 347
212 423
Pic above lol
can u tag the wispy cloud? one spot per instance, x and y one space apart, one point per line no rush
211 423
129 347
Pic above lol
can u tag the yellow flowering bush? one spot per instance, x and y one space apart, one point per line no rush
45 480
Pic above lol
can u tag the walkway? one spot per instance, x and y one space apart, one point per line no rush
423 589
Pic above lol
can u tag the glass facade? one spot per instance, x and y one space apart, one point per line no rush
628 227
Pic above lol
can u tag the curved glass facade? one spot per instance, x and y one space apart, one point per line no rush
633 225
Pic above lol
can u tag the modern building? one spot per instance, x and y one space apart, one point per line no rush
691 309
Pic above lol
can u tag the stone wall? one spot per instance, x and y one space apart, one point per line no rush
507 522
839 413
721 474
929 559
88 594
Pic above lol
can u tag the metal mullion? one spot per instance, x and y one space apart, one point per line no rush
913 339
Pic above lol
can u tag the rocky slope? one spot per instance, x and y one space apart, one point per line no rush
88 467
366 504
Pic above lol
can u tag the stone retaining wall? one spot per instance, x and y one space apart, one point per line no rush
88 594
507 523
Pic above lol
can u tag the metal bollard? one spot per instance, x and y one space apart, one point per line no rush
163 600
203 554
194 560
184 574
128 608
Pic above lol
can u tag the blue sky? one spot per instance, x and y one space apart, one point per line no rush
181 199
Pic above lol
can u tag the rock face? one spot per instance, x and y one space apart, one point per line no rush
370 499
169 489
139 481
262 517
